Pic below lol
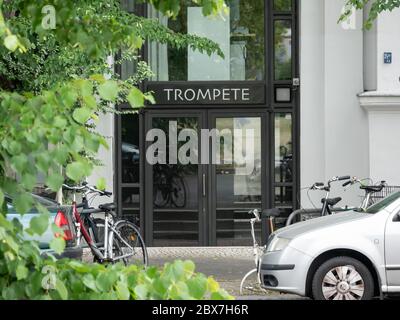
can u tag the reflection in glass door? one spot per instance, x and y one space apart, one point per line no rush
238 178
175 185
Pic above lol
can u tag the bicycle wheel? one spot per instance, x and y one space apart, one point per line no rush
128 241
178 192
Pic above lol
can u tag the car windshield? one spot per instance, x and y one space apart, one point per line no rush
383 203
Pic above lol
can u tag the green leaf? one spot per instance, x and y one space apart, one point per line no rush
109 90
101 184
21 272
28 180
141 292
82 115
54 181
40 223
149 97
135 98
61 289
106 280
23 203
60 154
58 245
75 170
212 285
19 162
122 291
60 122
197 287
98 77
1 197
89 281
11 42
188 267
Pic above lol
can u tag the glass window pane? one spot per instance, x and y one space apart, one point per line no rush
284 197
130 148
240 35
238 178
283 49
283 148
175 187
282 5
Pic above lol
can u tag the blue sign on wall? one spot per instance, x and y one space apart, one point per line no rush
387 57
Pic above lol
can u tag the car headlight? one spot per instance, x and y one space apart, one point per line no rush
277 244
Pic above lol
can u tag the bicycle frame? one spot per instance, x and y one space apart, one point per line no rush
257 250
109 232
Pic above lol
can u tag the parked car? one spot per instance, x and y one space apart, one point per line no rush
60 215
344 256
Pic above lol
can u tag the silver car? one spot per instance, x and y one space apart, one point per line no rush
345 256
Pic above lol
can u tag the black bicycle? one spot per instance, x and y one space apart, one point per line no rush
327 202
169 187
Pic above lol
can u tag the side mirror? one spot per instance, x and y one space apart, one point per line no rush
396 218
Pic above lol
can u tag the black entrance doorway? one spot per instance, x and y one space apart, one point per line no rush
205 202
255 86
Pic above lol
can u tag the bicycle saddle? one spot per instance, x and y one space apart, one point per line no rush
269 213
107 207
372 189
331 201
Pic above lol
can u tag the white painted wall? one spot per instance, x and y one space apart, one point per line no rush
333 126
383 104
106 156
312 66
388 38
385 146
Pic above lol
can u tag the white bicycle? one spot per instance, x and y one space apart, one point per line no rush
258 250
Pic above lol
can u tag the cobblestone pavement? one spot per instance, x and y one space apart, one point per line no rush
228 265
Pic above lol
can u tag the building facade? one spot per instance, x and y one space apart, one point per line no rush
301 96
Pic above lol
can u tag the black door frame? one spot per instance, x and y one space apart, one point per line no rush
148 175
264 115
207 204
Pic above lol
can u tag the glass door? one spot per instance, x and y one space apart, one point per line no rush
237 176
174 180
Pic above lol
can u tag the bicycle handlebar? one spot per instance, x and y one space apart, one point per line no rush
347 183
85 186
75 188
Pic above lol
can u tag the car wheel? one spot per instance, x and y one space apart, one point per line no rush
342 278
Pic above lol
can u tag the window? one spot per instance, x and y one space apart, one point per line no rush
283 49
240 35
129 192
282 5
283 148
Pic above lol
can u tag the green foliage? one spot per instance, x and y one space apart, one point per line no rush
52 90
85 35
376 7
24 274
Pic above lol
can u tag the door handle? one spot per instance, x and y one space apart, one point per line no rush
204 184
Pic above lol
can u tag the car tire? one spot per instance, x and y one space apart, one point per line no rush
342 278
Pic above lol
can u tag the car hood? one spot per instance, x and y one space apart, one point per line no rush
297 229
